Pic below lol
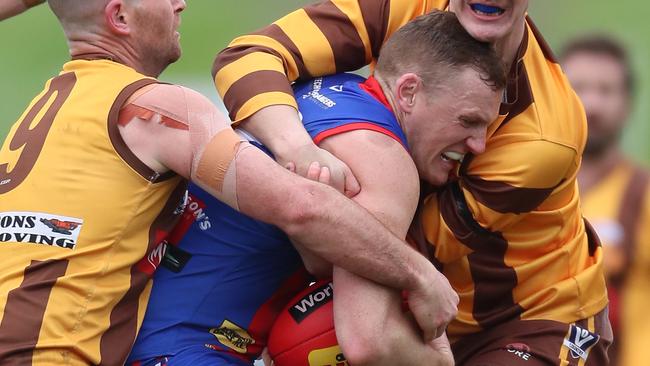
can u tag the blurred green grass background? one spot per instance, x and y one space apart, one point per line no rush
33 46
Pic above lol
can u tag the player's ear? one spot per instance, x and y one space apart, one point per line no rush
406 89
116 16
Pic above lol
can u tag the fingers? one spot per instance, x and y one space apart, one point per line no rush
442 347
352 186
314 171
290 166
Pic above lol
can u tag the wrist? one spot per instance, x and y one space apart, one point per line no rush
422 274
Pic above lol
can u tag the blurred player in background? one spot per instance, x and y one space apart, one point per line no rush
427 99
9 8
93 174
509 233
615 190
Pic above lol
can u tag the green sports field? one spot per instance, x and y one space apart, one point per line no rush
33 47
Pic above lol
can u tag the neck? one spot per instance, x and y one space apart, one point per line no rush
105 47
508 47
388 93
594 168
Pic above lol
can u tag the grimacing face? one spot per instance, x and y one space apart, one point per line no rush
489 20
450 122
599 81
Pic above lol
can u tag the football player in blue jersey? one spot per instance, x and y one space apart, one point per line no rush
225 276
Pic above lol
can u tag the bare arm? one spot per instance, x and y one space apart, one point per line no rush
10 8
288 50
210 153
291 144
370 325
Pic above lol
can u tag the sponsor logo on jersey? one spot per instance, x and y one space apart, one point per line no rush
520 350
233 336
579 341
196 208
331 356
311 302
316 96
40 228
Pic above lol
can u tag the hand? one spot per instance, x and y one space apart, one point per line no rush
317 164
267 358
441 346
434 304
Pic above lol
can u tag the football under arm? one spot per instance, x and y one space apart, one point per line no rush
207 151
370 324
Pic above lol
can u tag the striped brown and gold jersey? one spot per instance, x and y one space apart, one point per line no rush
619 208
79 216
509 233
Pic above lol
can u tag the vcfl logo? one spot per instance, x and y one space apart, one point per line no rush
580 341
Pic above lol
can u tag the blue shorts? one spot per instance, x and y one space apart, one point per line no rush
193 356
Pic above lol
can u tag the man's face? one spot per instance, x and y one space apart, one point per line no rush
156 25
489 20
446 124
599 81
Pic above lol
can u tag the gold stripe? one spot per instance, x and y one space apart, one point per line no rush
309 40
564 350
234 71
263 100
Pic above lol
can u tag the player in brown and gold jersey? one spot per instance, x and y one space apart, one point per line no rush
509 233
93 174
9 8
615 190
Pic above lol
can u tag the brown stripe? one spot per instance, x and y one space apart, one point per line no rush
375 16
519 94
546 49
494 281
24 311
631 208
347 46
504 198
540 339
116 138
593 241
232 54
417 239
275 32
120 335
254 84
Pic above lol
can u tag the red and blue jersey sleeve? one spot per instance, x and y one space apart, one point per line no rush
345 102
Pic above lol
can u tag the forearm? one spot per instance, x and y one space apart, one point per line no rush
354 240
372 329
278 127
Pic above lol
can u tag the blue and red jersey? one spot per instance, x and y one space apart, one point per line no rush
224 276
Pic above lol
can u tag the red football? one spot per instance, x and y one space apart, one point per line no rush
303 334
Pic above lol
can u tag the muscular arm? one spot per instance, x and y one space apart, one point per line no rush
9 8
207 151
370 325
